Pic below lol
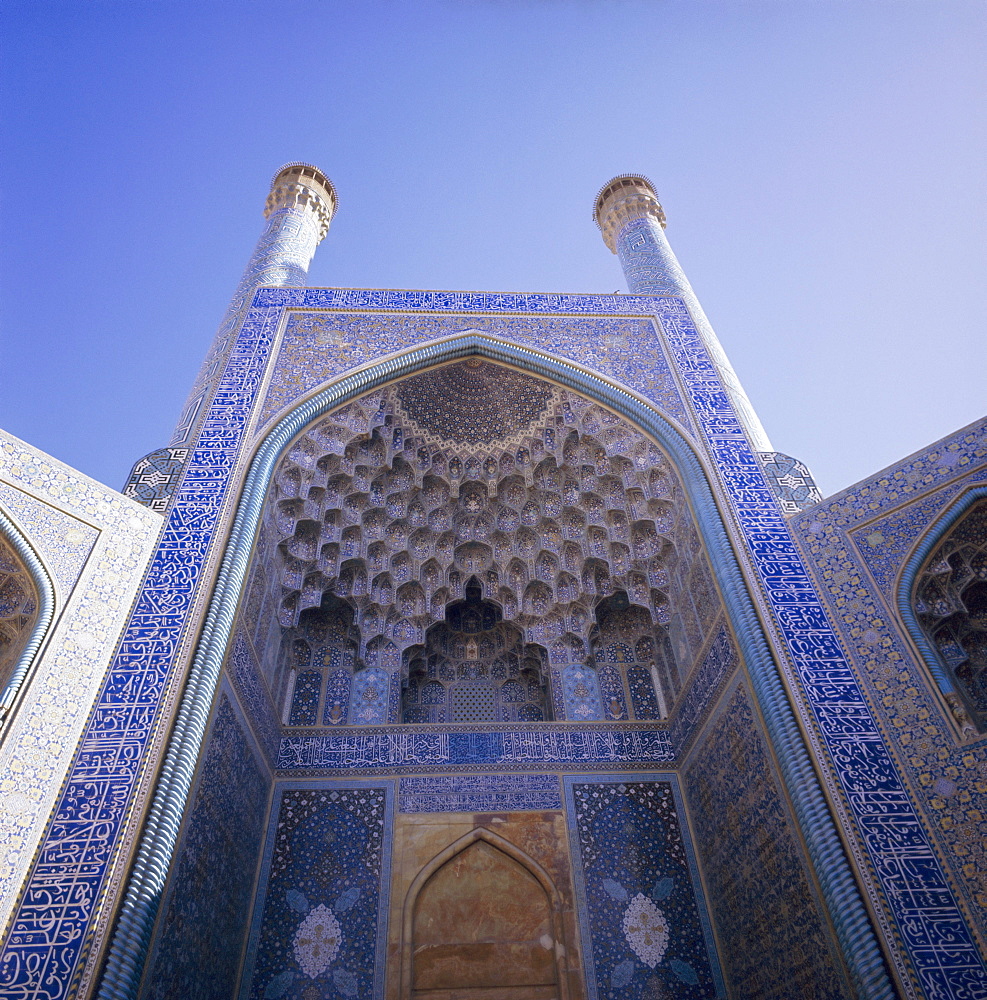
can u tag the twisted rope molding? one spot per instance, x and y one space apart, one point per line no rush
128 949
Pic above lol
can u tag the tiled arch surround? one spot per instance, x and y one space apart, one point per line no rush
641 747
690 397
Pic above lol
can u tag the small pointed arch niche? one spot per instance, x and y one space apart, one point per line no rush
483 919
475 667
948 609
27 602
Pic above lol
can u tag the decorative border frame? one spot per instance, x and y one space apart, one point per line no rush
46 611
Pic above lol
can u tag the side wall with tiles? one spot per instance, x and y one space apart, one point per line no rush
94 545
202 923
857 544
772 935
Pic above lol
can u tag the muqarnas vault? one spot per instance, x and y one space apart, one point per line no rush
472 646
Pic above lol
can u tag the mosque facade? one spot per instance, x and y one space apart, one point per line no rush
476 646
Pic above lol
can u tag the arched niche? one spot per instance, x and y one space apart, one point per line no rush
943 603
246 538
475 667
483 919
27 602
472 474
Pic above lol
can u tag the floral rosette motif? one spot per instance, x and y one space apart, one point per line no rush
646 930
317 941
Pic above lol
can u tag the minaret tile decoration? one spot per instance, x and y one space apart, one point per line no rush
299 209
632 222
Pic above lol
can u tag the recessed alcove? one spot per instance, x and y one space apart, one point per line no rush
474 482
19 605
479 601
950 599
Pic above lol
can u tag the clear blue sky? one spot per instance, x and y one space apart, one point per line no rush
822 165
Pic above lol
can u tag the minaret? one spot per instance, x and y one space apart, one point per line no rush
632 221
299 208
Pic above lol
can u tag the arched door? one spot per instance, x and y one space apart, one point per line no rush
482 927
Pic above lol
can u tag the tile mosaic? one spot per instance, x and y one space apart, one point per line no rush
53 502
774 941
644 925
321 916
203 920
856 544
479 793
626 348
63 541
519 748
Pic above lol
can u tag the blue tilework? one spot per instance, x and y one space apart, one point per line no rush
719 663
755 873
202 926
515 748
856 544
612 693
479 793
67 880
66 885
474 405
581 693
913 885
155 477
326 862
281 257
305 698
254 695
900 530
791 481
337 697
368 702
626 348
644 927
642 689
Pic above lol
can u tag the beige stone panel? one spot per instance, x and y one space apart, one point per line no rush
482 920
421 838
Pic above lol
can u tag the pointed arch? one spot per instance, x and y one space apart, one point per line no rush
137 913
45 593
908 579
481 835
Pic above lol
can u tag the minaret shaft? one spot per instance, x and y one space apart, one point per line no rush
299 209
633 225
